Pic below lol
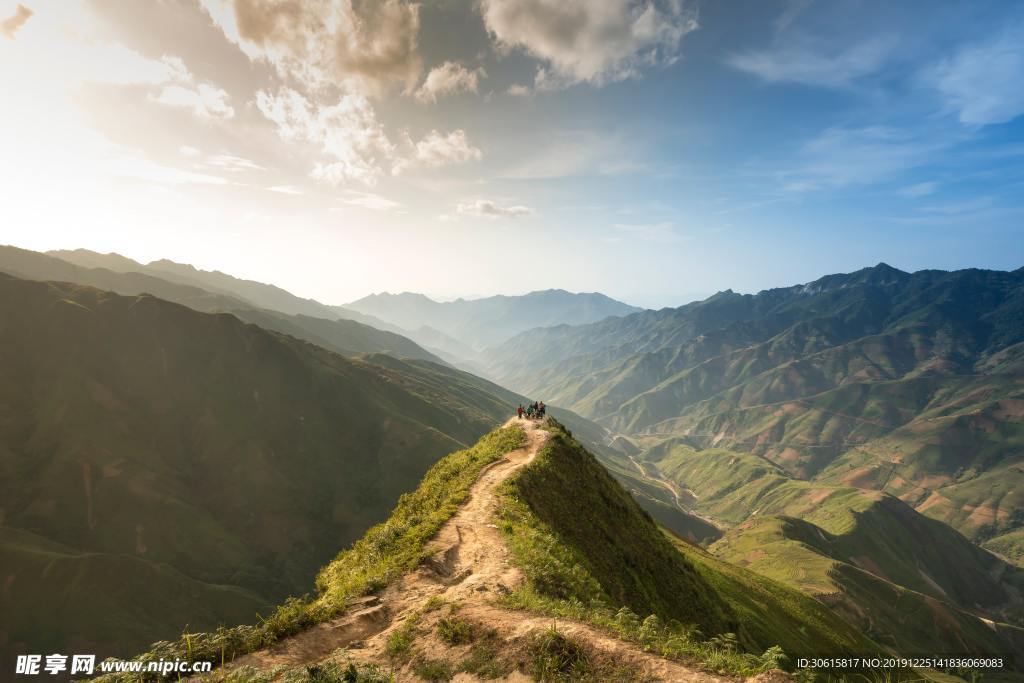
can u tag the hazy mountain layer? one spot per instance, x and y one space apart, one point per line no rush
491 320
118 274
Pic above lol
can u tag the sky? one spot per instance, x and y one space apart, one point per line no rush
654 150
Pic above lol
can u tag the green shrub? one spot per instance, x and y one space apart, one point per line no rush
432 669
557 657
455 631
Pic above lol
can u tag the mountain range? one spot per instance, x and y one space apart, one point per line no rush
908 383
480 323
182 447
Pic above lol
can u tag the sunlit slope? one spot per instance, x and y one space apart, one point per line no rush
212 295
223 462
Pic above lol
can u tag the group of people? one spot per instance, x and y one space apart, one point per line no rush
532 411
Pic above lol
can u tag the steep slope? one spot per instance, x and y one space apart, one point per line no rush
124 276
150 450
583 541
491 320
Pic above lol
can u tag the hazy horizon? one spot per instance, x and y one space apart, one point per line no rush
683 300
656 151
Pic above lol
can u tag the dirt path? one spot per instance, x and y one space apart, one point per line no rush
469 565
671 487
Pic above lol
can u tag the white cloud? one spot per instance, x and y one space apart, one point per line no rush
347 133
595 42
486 208
800 60
10 26
367 200
578 153
519 90
353 143
967 206
662 232
841 157
918 190
205 100
127 165
983 82
327 42
436 149
285 189
230 162
448 79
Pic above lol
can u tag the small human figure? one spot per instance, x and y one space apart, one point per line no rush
520 411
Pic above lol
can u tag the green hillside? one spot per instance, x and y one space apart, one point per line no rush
855 549
589 550
149 450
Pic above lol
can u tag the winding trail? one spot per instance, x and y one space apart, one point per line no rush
661 482
469 565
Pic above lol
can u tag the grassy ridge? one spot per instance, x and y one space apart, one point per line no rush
589 552
585 538
396 546
384 553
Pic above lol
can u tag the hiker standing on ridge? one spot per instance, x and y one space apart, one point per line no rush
520 411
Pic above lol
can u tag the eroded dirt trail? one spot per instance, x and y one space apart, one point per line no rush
469 566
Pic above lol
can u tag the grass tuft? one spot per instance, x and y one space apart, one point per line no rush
555 656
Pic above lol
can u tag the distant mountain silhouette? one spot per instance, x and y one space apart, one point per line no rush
479 323
124 276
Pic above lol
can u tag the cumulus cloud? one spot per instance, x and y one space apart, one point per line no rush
982 82
325 42
595 42
800 60
436 149
487 208
353 143
448 79
347 133
10 26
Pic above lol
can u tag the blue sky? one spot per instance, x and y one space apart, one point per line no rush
655 150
